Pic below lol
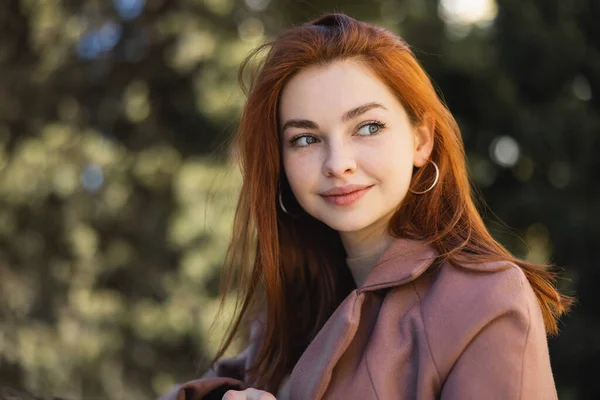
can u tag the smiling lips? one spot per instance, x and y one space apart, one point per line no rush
345 195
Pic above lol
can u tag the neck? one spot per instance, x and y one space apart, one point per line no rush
367 242
364 249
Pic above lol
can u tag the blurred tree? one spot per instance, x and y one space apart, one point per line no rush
525 92
116 193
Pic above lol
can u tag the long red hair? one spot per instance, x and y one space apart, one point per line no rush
293 269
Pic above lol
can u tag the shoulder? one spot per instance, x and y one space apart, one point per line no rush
461 301
485 286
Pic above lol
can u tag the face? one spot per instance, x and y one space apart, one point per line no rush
348 146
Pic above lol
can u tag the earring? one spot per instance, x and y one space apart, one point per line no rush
279 197
435 181
281 204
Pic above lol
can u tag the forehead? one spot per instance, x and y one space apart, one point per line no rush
331 90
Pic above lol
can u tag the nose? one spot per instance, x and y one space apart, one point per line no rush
339 160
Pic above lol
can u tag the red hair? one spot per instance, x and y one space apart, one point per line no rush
293 268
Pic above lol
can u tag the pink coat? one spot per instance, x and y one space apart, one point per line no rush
414 332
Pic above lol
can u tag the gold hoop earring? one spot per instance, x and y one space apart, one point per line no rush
435 181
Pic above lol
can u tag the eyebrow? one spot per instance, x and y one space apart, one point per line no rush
348 115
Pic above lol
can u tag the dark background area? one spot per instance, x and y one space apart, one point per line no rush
117 189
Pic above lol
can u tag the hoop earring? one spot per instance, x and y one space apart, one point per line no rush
435 181
281 204
279 197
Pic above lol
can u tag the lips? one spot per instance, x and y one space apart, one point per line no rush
345 195
344 190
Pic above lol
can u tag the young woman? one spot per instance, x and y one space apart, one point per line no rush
357 250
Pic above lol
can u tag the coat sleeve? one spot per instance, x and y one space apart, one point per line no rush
226 374
506 357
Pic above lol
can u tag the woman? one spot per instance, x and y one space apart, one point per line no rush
357 249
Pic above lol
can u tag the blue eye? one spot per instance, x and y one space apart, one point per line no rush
370 129
303 140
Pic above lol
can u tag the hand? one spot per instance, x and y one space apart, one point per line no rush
248 394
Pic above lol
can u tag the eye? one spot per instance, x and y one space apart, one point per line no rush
303 140
371 128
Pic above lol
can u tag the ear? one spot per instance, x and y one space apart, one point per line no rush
423 140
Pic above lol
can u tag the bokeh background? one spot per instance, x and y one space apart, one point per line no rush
117 187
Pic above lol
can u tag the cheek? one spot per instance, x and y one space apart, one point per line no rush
298 173
394 162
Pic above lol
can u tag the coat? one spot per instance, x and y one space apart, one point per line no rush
415 331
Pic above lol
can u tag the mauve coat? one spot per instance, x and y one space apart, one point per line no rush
414 332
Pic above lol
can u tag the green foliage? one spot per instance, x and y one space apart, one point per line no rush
117 190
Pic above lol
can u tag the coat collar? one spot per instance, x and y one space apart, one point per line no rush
402 262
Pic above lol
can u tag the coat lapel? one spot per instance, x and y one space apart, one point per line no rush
402 262
313 370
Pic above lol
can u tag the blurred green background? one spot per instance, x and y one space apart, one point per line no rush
117 188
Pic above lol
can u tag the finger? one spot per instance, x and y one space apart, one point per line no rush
266 396
255 394
234 395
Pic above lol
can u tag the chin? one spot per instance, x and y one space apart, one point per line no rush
348 224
